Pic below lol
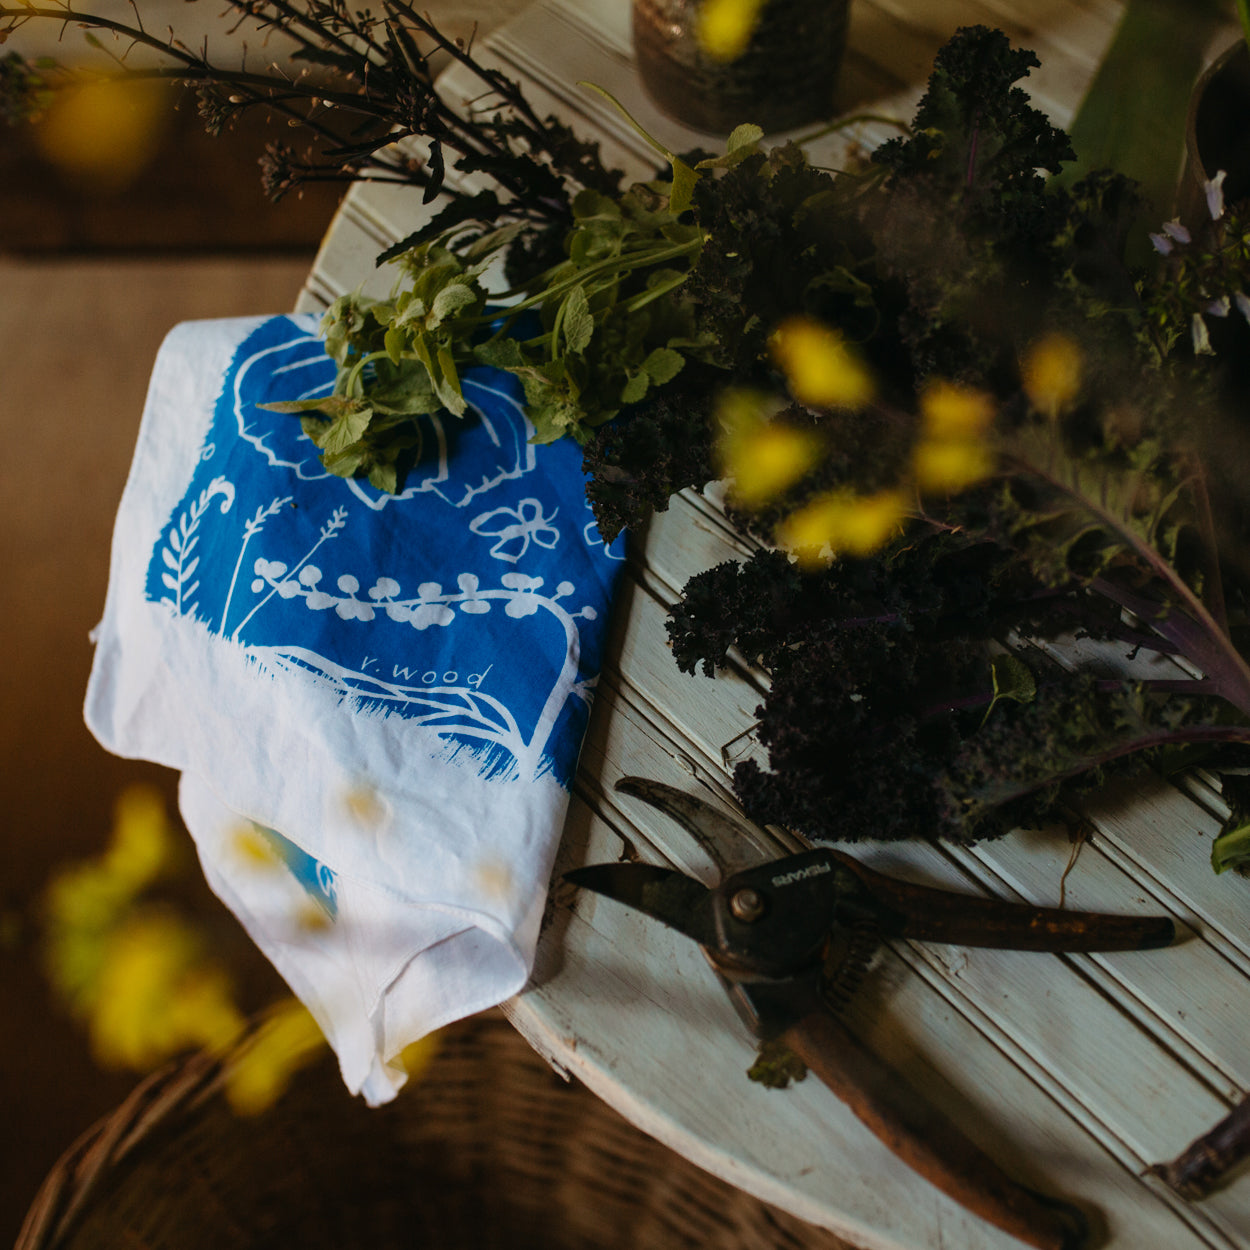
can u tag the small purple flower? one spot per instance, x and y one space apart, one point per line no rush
1162 244
1214 189
1173 229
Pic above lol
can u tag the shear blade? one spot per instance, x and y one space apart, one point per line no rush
666 895
731 843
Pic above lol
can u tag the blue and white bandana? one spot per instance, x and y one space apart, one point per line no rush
390 690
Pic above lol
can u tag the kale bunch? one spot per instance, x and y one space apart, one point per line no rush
897 710
942 258
931 688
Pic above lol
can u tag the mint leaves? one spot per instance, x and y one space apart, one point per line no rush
585 338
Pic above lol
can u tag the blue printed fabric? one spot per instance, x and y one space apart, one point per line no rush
472 602
389 691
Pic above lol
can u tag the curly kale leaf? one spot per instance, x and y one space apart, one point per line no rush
658 447
944 585
858 726
892 714
964 222
976 136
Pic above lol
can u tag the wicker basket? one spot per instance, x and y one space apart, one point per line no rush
489 1149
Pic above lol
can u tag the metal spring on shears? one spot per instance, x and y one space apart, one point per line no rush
846 961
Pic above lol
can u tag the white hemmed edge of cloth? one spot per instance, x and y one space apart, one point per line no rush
382 973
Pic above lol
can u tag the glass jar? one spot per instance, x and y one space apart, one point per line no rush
786 77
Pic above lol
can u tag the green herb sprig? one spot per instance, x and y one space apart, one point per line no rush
614 323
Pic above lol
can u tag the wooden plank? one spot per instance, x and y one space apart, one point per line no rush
661 1045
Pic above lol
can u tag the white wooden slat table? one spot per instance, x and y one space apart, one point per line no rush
1077 1072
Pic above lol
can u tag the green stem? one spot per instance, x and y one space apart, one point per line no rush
844 122
643 298
352 385
624 263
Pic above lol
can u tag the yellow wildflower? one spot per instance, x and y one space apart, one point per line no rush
201 1009
263 1065
950 465
821 369
250 844
840 523
762 457
494 878
312 917
91 896
85 897
1052 373
364 805
726 27
131 1019
952 453
951 410
142 844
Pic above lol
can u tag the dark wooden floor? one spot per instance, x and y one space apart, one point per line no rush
87 290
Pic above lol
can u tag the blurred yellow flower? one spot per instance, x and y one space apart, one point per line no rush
263 1065
142 842
821 369
840 523
950 410
85 902
1051 373
762 457
416 1056
494 878
85 898
953 452
202 1009
364 805
726 26
104 132
156 995
950 465
312 917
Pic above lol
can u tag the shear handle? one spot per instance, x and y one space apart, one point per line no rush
932 915
926 1140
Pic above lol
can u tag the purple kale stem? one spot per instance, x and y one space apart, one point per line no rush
1213 585
1197 1170
1204 642
1200 641
1186 734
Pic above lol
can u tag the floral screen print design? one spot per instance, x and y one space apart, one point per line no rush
473 602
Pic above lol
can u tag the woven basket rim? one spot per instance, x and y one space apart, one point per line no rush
489 1108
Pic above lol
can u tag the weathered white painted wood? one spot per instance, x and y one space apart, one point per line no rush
1075 1071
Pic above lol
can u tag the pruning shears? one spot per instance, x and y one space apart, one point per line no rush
791 937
